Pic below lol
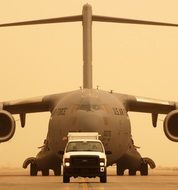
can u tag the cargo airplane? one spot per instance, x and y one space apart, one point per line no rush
89 110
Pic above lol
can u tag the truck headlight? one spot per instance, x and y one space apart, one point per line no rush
67 164
101 163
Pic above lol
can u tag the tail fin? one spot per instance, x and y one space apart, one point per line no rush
87 19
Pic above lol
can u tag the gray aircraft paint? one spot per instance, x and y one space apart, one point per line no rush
91 110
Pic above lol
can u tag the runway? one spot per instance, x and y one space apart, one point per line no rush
18 179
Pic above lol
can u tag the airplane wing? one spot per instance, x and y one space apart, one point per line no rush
155 107
32 105
148 105
21 107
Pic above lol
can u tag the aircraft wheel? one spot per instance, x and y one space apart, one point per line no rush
120 171
33 169
144 169
66 179
45 172
132 172
57 171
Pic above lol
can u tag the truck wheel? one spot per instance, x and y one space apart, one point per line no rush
103 179
33 169
45 172
144 169
66 179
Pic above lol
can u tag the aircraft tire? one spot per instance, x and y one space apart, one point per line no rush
45 172
120 171
57 171
33 169
66 179
132 172
144 169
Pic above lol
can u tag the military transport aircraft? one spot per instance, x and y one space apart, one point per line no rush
89 109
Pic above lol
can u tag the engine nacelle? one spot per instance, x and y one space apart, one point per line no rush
171 126
7 126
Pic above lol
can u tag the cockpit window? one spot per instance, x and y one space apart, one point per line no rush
84 146
89 107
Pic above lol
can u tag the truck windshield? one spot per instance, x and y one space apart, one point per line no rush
84 146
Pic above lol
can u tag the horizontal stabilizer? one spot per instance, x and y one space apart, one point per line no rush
94 18
129 21
45 21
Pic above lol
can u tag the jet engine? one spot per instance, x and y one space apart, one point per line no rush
7 126
171 126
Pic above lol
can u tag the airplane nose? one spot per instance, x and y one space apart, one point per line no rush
89 121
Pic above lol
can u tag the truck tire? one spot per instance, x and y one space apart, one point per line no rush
66 178
103 179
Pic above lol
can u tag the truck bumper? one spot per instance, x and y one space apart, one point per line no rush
84 172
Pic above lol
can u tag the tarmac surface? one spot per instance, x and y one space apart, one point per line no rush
18 179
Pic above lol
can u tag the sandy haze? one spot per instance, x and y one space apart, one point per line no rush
41 60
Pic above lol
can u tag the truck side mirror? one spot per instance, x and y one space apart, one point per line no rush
108 152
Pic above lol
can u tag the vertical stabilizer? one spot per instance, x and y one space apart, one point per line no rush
87 46
87 18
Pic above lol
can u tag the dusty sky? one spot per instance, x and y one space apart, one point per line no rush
131 59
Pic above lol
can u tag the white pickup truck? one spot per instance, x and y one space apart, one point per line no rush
84 156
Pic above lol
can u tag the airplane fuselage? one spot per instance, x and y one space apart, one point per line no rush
90 110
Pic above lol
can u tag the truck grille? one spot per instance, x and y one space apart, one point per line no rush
84 161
